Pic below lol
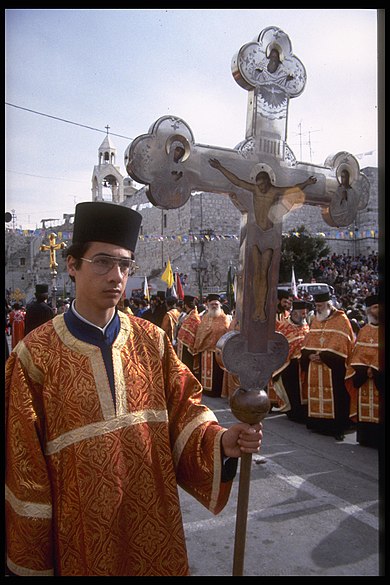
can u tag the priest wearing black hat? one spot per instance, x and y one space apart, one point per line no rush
103 421
325 353
287 381
38 311
214 323
364 380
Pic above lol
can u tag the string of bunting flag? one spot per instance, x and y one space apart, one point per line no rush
185 238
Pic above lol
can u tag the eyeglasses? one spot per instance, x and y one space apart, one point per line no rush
104 264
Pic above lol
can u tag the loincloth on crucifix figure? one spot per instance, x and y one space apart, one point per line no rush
264 215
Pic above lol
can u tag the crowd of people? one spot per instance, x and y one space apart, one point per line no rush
353 277
321 384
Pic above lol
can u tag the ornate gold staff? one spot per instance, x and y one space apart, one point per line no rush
52 247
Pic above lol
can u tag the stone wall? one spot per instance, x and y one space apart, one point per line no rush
201 239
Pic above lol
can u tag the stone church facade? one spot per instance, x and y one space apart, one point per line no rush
201 239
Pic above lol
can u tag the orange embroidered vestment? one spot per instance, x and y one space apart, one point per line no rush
295 335
187 332
331 337
91 486
364 403
169 322
208 333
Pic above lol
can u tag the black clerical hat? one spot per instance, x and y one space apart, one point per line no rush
100 221
188 299
371 300
298 304
321 297
283 294
213 297
41 289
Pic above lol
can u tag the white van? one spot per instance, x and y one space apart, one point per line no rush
314 288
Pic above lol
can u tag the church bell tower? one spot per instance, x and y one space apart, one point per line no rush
107 181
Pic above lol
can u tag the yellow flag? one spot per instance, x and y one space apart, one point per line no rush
167 275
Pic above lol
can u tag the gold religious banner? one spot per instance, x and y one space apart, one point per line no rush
17 295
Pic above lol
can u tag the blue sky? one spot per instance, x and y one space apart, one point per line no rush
128 67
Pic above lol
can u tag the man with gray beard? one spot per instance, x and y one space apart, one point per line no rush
213 325
326 351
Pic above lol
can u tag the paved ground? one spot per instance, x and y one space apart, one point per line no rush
313 508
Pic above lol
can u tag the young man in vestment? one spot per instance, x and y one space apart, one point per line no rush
103 422
364 382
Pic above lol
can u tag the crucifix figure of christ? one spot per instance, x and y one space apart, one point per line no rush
264 181
52 248
270 204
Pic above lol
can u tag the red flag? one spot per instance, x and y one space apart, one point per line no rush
178 286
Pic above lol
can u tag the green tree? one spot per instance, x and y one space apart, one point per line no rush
300 249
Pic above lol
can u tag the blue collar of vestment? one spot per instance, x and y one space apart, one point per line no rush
86 331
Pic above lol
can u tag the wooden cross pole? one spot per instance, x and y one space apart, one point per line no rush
264 181
52 247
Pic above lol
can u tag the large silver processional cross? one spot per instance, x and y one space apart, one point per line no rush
172 165
264 181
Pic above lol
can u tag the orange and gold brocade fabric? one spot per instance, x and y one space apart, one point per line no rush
364 401
169 321
91 488
334 335
188 329
210 331
295 335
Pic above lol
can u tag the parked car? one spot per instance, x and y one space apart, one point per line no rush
314 288
311 288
